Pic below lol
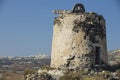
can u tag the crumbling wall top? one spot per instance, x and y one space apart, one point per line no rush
78 8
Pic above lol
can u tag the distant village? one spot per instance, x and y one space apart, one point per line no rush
39 56
19 64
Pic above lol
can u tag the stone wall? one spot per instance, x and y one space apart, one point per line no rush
75 38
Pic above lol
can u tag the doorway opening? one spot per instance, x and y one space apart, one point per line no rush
97 55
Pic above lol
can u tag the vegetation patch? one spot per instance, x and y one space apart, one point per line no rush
47 68
29 71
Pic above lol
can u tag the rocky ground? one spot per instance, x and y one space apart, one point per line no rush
114 57
112 72
57 74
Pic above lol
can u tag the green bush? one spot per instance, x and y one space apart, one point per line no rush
71 76
94 77
47 68
82 75
29 71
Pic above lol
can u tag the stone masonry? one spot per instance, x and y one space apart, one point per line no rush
79 39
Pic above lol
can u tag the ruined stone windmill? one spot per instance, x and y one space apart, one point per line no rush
79 39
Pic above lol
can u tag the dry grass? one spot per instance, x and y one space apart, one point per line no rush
82 76
13 76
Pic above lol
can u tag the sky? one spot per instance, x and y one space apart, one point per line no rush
26 26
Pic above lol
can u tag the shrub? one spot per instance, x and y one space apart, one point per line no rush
94 78
29 71
71 76
47 68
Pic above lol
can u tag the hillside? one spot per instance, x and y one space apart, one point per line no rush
114 57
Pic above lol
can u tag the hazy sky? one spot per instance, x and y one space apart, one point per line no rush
26 26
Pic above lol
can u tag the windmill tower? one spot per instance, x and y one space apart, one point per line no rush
79 39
